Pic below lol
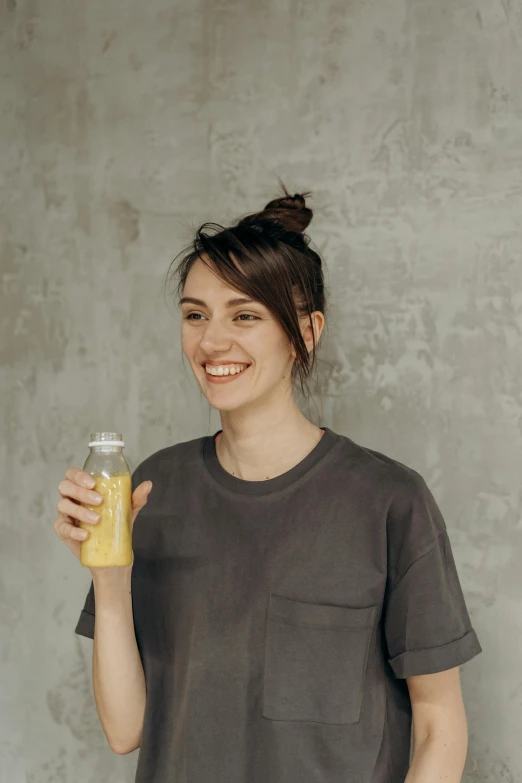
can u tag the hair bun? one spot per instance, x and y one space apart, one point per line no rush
289 211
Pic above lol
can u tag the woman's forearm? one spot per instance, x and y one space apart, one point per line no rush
438 759
118 678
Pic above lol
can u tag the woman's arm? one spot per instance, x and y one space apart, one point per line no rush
117 671
440 731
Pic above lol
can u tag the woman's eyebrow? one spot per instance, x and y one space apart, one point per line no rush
231 302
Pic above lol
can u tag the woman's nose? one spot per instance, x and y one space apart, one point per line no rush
215 335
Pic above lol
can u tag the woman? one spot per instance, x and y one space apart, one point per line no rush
293 599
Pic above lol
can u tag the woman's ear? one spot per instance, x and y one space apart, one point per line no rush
318 322
318 325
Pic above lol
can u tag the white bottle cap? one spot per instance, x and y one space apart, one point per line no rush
106 443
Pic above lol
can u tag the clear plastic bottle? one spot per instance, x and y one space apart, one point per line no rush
110 539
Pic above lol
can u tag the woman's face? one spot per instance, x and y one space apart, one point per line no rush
227 333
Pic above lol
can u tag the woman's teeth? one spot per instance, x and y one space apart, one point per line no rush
225 369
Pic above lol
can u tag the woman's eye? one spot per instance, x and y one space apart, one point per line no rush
190 316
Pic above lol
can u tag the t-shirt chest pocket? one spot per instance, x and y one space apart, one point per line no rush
315 660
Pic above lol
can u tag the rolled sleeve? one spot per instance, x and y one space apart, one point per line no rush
85 624
436 659
426 620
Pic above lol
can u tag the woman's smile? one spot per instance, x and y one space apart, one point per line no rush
224 373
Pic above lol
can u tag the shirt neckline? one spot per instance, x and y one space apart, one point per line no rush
227 480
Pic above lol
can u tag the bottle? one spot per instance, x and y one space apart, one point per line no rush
110 539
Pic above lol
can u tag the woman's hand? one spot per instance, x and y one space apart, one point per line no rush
74 491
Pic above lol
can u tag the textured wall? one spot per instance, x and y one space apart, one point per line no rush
123 124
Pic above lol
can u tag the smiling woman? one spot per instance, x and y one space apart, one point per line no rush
287 581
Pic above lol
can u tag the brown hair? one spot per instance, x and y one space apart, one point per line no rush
275 266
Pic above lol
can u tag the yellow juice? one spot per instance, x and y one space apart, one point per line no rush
110 539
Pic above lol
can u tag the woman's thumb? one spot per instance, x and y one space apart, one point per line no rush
140 497
142 493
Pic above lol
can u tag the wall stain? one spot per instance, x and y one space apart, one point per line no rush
52 771
70 702
127 219
109 38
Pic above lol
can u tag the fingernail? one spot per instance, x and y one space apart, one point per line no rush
89 482
83 534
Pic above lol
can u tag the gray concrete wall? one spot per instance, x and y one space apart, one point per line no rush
124 123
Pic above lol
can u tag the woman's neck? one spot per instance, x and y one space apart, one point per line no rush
265 455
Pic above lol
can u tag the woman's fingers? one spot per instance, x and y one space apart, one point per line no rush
80 477
71 535
69 489
74 491
82 514
66 529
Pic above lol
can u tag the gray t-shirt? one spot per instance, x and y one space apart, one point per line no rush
276 620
